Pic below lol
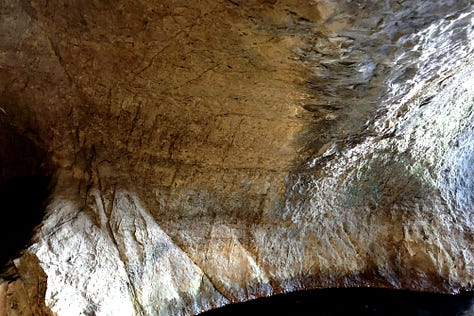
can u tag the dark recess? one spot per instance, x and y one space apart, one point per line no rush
354 301
22 209
24 181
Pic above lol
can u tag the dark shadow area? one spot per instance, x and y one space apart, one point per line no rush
22 209
24 182
354 301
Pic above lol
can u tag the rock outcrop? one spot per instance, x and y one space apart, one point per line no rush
211 152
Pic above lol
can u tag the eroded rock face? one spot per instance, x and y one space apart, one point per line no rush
213 152
23 288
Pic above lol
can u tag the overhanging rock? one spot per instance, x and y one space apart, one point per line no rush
214 152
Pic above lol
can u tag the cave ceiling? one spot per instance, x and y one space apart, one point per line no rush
209 152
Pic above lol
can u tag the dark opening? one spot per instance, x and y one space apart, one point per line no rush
22 209
24 179
354 301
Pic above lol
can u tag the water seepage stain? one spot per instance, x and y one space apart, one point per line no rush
354 301
21 210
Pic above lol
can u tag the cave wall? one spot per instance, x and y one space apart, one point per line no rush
214 152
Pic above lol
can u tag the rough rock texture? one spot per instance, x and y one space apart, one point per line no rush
23 288
212 152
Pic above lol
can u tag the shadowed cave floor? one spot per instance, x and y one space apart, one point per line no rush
354 301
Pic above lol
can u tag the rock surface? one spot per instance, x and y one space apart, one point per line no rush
23 288
211 152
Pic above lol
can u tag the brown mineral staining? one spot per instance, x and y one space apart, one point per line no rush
23 288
